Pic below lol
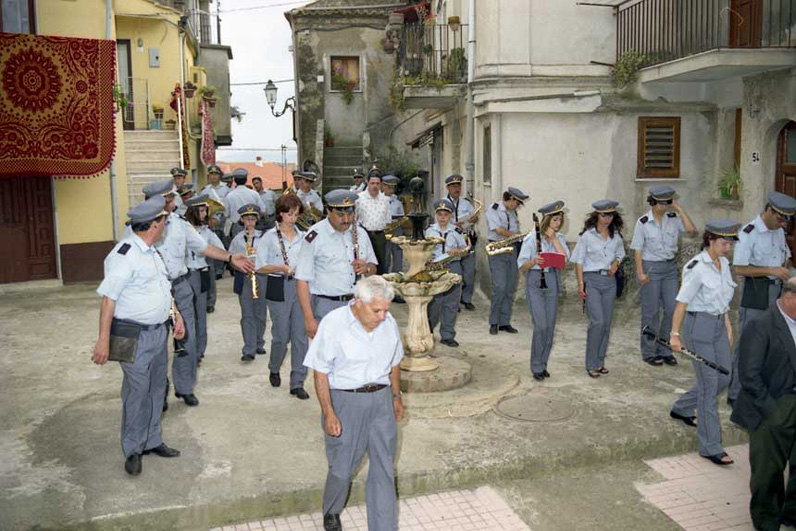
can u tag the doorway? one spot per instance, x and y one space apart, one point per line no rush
746 23
786 172
124 61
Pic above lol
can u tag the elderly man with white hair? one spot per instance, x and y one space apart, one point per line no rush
355 357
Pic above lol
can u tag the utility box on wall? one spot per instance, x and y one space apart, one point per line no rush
154 58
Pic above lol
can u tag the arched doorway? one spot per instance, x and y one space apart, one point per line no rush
786 171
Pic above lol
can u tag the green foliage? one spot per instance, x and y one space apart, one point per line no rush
427 80
457 63
393 162
395 96
328 137
207 91
339 82
625 71
119 97
730 183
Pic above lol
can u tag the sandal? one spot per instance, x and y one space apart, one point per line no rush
689 421
655 362
718 459
603 370
670 360
593 374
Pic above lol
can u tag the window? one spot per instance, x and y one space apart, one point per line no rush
487 157
659 147
344 74
18 16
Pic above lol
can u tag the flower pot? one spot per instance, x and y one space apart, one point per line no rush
454 23
211 102
189 91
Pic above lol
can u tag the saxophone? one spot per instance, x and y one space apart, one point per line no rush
394 224
440 264
253 275
504 246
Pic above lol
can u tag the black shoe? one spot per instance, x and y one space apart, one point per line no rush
669 360
450 342
211 309
260 351
469 306
493 329
655 362
247 357
299 393
545 373
331 522
132 465
275 379
190 400
689 421
508 328
163 451
219 276
538 376
398 300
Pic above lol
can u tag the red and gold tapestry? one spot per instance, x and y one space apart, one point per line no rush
208 139
56 105
178 105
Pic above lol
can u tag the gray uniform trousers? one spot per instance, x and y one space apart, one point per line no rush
661 290
183 368
468 277
600 297
322 306
744 316
706 335
253 315
395 258
503 268
445 307
216 268
368 425
200 309
143 391
287 325
544 309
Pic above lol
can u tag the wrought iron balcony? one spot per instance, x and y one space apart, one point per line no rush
433 54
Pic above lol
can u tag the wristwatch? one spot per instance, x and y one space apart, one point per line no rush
399 395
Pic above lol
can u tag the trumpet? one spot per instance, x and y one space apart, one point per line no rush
504 246
253 275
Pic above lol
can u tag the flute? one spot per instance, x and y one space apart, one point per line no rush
647 331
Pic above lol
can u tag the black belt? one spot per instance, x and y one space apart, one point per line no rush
144 326
177 280
706 313
370 388
374 231
338 298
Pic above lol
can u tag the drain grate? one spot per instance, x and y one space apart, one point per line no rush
536 407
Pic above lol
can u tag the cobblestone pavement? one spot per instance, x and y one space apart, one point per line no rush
461 510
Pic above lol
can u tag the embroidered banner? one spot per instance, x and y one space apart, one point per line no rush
177 95
56 105
208 140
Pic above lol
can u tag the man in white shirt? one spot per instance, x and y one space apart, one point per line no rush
356 358
374 214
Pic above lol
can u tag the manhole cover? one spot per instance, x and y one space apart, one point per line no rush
535 407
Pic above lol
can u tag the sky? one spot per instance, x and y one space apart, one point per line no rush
260 39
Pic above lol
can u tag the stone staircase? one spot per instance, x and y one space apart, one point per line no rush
339 163
150 156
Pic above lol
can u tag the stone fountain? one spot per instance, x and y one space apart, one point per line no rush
417 286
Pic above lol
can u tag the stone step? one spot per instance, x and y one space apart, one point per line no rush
151 135
164 155
152 166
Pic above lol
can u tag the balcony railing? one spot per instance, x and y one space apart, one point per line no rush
431 52
664 30
205 26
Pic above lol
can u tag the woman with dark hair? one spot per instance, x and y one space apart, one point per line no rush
198 270
706 292
597 256
277 257
543 302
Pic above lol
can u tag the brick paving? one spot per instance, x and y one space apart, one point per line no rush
701 496
461 510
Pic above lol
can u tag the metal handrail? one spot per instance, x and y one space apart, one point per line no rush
434 51
137 113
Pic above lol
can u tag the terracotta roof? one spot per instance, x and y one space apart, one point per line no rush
271 172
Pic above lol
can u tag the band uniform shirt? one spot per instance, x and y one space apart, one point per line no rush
196 260
373 213
269 252
238 243
326 256
596 253
528 250
239 197
657 243
705 288
268 198
760 246
396 212
217 193
351 356
309 199
179 237
500 216
462 210
358 188
135 278
453 238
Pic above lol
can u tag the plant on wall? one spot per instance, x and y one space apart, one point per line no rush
395 96
457 65
730 183
625 71
119 97
346 86
328 137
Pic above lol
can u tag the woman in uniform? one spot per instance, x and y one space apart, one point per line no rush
252 309
445 306
277 257
701 316
597 256
198 270
543 302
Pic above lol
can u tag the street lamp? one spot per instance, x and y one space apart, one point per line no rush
290 103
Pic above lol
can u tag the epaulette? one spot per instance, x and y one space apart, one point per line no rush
672 214
749 228
124 248
459 230
310 236
495 206
692 264
644 220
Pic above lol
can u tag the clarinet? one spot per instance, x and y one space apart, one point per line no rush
355 241
542 280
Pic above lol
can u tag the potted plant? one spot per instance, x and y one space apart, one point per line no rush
119 98
170 125
730 183
328 137
207 92
454 23
427 49
189 90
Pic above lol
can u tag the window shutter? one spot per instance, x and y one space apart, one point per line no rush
659 147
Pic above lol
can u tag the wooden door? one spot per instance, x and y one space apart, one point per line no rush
27 235
786 172
746 23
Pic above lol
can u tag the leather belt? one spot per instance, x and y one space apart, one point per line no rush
145 326
370 388
374 231
337 298
178 280
721 315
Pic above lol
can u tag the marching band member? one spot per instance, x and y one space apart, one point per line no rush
217 191
277 256
253 310
303 180
445 306
464 217
359 182
701 314
238 198
597 256
543 302
394 253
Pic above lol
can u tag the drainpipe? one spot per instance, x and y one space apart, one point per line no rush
112 172
469 164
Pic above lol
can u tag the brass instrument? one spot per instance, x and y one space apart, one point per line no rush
308 218
505 245
250 253
479 206
214 207
394 224
439 265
